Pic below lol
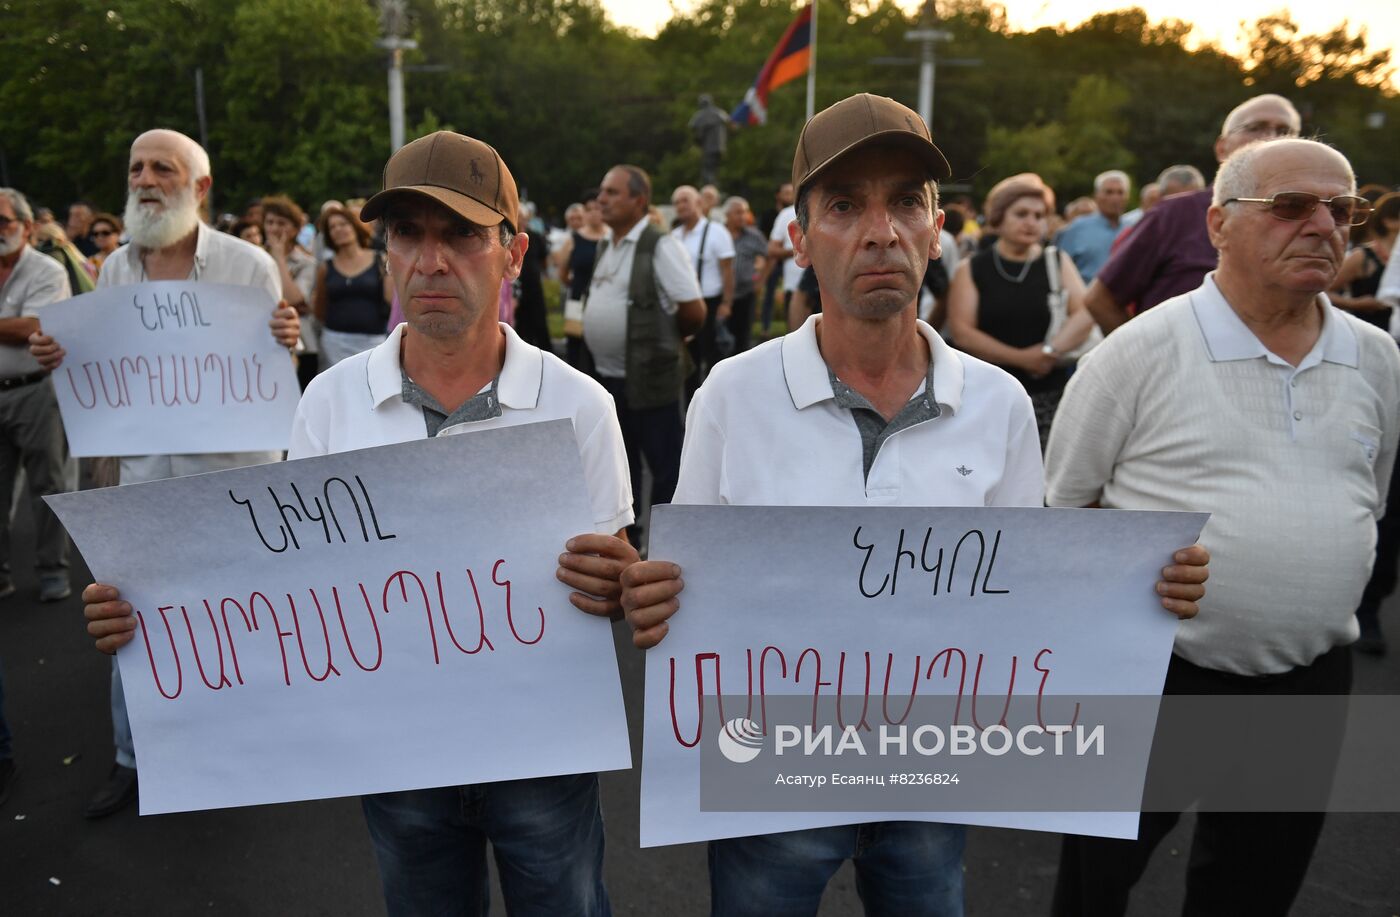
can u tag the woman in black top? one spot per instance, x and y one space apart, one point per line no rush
998 304
1360 275
576 257
352 293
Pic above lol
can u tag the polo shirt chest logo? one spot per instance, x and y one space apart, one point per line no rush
964 470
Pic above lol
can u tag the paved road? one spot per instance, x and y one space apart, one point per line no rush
315 859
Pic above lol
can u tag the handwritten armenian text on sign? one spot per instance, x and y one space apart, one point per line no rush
831 665
356 623
171 367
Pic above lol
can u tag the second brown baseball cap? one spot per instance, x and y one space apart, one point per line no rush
463 174
857 122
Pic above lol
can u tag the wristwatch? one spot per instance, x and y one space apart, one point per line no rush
1049 351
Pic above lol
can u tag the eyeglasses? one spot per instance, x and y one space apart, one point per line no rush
1295 206
96 233
1266 129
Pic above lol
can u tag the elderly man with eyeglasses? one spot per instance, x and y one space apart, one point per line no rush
1254 399
1169 250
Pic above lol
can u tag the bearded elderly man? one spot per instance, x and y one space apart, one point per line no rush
1254 399
451 213
168 179
863 405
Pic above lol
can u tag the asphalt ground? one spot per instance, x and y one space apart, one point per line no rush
315 858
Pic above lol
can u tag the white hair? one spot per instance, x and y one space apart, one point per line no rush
19 203
1104 178
1240 111
1239 174
732 200
573 208
1183 177
155 228
191 154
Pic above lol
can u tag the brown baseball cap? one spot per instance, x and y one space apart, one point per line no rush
463 174
857 122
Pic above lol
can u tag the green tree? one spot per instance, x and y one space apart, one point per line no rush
1067 153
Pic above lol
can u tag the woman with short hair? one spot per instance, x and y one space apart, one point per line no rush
1000 303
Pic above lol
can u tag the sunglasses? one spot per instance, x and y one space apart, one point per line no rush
5 223
1295 206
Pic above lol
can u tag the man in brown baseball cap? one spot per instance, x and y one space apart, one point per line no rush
450 207
863 405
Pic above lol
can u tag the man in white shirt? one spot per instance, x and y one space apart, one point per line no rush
780 252
167 179
711 250
31 430
643 299
1254 399
863 405
451 211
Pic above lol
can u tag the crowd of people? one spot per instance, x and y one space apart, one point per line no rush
1180 355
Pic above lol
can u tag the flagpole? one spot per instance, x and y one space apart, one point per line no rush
812 67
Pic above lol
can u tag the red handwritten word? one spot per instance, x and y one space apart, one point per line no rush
311 630
169 380
920 674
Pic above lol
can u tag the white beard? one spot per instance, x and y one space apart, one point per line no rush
11 243
153 227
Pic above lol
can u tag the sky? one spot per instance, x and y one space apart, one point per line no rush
1214 20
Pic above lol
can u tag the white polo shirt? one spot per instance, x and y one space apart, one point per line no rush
218 258
358 403
791 272
1183 408
35 281
605 312
765 429
707 244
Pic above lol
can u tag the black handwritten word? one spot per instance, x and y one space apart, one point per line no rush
813 658
324 513
159 312
302 625
973 539
169 380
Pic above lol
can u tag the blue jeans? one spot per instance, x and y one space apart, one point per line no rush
903 869
121 723
547 834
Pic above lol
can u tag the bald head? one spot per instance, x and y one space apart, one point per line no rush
174 143
1255 168
1271 258
1260 118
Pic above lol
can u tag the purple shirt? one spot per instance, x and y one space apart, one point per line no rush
1166 254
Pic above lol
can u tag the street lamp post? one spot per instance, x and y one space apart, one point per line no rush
396 46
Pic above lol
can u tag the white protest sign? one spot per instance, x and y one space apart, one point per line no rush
861 612
355 623
171 367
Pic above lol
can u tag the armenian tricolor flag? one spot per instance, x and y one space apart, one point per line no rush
789 60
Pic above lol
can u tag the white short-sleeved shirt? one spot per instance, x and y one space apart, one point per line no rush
765 429
718 245
1388 290
1183 408
791 272
218 258
358 403
36 281
605 313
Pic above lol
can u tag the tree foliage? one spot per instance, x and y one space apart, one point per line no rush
295 90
